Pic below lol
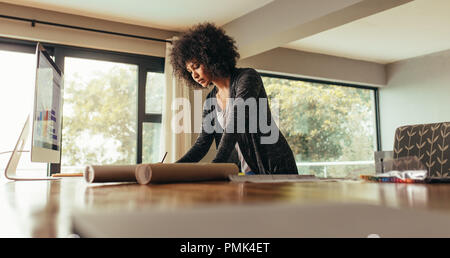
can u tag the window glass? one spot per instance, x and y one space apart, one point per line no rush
151 143
100 113
331 129
154 92
16 102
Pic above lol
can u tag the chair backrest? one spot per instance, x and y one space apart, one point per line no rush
429 142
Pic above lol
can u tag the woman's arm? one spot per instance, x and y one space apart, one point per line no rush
199 149
248 85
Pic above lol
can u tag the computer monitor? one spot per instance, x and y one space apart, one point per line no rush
47 109
46 118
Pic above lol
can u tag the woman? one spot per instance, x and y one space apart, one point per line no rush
236 108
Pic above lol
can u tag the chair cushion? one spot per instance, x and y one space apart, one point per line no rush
429 142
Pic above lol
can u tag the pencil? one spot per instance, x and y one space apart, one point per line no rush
164 157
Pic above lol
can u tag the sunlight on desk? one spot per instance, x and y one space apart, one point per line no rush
44 209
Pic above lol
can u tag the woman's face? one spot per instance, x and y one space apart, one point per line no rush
199 73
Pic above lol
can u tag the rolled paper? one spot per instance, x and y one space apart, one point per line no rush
68 175
110 173
184 172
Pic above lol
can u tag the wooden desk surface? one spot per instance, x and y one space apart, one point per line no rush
43 208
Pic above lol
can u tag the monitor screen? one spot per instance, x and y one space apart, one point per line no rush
46 141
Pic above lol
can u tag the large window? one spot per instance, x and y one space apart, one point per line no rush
330 128
112 108
153 108
100 112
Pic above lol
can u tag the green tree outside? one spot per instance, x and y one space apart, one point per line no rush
99 126
325 122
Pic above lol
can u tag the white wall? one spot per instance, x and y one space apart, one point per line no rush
317 66
417 91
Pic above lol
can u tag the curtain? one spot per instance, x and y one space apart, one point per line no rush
176 115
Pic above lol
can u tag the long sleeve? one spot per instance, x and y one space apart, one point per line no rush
198 150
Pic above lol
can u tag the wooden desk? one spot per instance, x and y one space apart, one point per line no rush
43 208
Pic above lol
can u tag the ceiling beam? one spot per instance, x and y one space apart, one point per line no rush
283 21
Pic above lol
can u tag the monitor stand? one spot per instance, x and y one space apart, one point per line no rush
10 171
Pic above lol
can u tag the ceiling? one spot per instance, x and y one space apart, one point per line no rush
413 29
176 15
395 33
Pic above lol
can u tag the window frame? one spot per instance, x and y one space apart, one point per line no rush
357 86
145 64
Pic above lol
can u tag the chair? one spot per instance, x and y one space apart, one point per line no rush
428 142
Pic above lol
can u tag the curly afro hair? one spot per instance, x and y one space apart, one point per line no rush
208 45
